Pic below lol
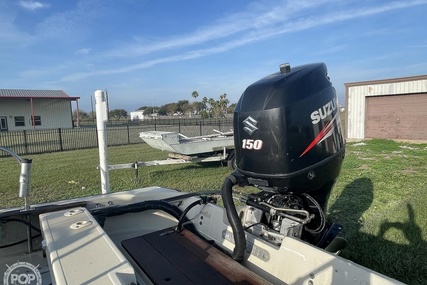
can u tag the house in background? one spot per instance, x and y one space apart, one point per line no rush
137 115
35 109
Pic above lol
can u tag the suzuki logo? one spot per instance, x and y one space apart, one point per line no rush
250 125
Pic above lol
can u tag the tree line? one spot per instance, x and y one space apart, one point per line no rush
206 108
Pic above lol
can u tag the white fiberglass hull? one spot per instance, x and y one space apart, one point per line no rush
79 250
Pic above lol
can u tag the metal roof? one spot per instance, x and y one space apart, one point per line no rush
46 94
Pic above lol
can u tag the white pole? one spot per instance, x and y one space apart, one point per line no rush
101 120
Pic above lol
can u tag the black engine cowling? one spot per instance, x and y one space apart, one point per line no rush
289 143
287 131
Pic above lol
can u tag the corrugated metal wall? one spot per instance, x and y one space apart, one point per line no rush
356 94
396 117
355 119
54 113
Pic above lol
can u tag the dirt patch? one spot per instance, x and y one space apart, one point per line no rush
363 167
409 171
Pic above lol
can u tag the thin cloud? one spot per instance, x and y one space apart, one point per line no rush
83 51
258 20
71 25
257 17
418 46
230 34
10 36
33 5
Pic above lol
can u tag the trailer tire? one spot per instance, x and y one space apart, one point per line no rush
231 161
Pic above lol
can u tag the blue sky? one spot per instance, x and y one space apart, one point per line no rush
156 52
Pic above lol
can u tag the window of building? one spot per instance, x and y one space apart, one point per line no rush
19 121
3 123
37 121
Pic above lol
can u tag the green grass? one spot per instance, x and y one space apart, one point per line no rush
64 175
379 198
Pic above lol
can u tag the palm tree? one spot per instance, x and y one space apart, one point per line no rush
223 103
195 94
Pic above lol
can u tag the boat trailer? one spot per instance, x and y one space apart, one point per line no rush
210 148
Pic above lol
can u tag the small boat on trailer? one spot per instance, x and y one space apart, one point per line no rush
178 143
154 235
183 149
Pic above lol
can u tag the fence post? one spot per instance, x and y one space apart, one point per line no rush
127 127
200 127
60 139
25 141
179 125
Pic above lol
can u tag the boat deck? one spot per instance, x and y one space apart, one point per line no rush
171 257
130 247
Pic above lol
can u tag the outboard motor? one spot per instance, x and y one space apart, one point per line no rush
289 144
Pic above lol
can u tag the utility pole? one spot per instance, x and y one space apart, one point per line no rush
91 106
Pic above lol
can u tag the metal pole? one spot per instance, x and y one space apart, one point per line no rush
24 188
108 105
91 106
33 121
101 121
77 113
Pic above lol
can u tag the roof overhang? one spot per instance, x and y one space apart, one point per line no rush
37 97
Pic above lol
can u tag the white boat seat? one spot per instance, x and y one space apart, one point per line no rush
80 252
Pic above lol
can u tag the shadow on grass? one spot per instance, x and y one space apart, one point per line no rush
184 177
176 168
405 261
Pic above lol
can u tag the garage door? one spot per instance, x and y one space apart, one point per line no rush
396 117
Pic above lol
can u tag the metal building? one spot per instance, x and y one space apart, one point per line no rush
35 109
390 109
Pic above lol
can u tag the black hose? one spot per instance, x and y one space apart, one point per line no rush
192 194
184 213
233 218
7 220
102 214
18 242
